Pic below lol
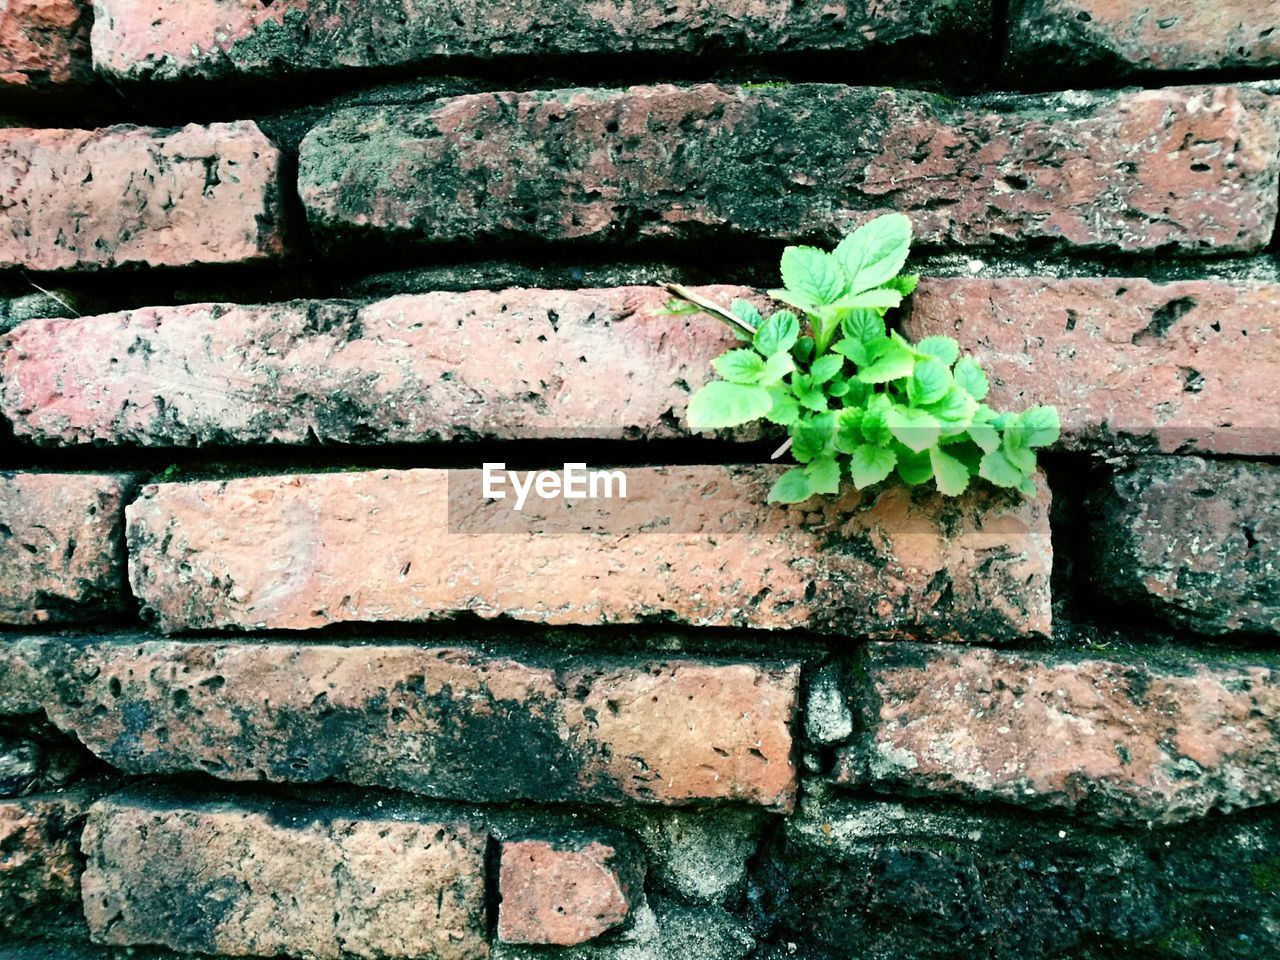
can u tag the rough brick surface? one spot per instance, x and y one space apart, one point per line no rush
926 880
694 545
61 546
1191 366
220 878
563 892
1128 740
87 199
1120 37
44 42
438 721
1192 168
1193 540
435 366
40 865
181 39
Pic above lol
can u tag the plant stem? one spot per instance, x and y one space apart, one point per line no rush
723 314
781 450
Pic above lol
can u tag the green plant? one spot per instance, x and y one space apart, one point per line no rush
857 399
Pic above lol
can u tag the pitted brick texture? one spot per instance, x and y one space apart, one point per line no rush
44 43
40 866
692 545
220 878
1115 740
61 547
1187 168
435 366
182 39
121 196
1190 366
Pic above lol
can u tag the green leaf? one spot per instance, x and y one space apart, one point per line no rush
785 410
778 334
826 367
802 302
970 376
985 436
814 437
914 468
929 383
874 253
955 411
791 487
905 284
945 349
951 476
775 368
881 299
824 475
896 362
1028 486
722 404
808 393
863 326
870 464
739 366
848 429
1022 457
1040 426
814 274
746 312
838 387
913 428
875 425
803 350
997 469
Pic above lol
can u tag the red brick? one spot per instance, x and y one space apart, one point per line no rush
1120 740
40 866
564 892
445 722
44 42
1190 168
434 366
220 878
1190 366
1194 541
61 546
1121 37
694 545
87 199
181 39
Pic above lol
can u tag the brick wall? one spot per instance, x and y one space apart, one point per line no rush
276 279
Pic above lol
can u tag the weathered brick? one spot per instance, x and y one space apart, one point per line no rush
61 546
931 880
1193 168
443 722
40 866
434 366
1196 541
1122 37
1136 740
182 39
44 42
1190 366
87 199
566 891
695 545
222 878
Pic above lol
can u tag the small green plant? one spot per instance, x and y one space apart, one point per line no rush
858 400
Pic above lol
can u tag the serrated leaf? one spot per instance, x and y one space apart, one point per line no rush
791 487
802 302
1040 426
824 475
746 312
809 394
945 349
997 469
955 411
739 366
875 426
1022 457
848 429
879 299
775 368
874 253
826 367
722 404
895 363
951 476
913 428
914 468
905 284
814 274
869 464
985 436
863 326
814 437
929 383
778 334
837 387
785 410
969 375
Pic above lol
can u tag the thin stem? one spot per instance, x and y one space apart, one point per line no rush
722 314
781 450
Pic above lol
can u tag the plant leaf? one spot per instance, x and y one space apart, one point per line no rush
874 253
778 334
813 437
878 299
914 468
896 362
814 274
826 367
955 411
746 312
785 410
951 476
869 464
970 376
791 487
997 469
913 428
862 325
775 368
905 284
945 349
1040 426
848 429
739 366
874 424
929 383
824 475
722 404
803 350
802 302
